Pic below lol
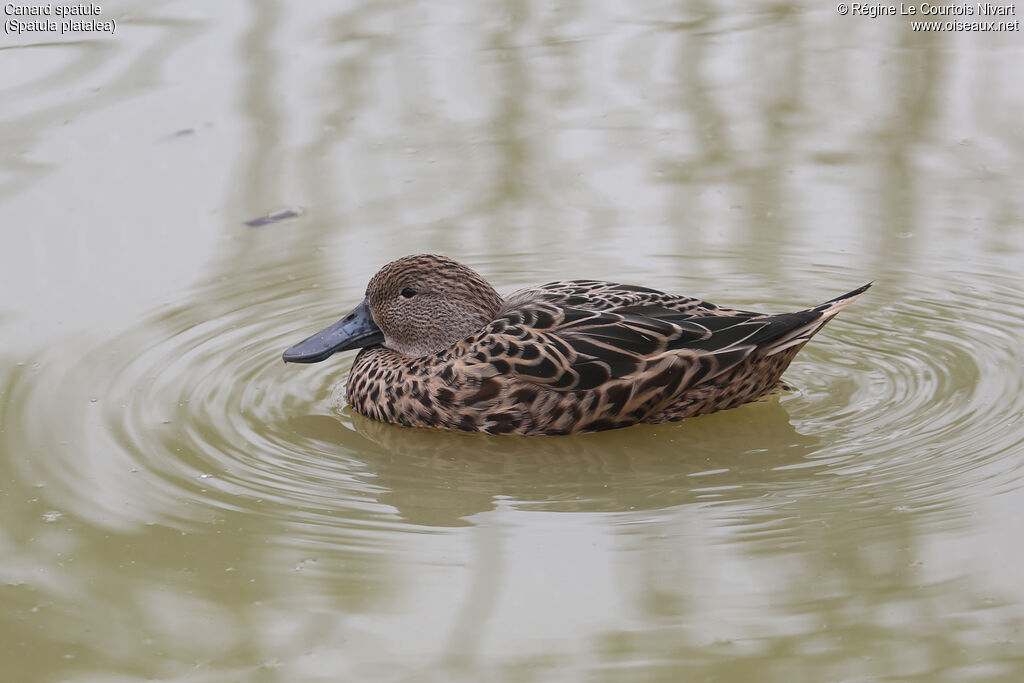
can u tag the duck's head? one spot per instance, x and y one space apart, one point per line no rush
416 306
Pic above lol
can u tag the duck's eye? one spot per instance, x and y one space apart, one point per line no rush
408 292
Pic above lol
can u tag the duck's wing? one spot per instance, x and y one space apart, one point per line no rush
572 349
598 295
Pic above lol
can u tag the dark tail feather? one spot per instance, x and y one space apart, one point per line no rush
846 298
825 312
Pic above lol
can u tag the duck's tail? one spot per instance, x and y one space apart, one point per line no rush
832 306
819 315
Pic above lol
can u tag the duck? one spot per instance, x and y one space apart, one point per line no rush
440 348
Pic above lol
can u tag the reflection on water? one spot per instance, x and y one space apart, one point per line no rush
179 504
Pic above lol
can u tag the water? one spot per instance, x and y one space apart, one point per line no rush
178 504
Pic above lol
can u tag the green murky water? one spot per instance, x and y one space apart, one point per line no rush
177 504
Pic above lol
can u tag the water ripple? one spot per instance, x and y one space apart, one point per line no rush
922 391
905 401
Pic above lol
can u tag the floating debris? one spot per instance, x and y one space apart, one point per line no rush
181 133
274 217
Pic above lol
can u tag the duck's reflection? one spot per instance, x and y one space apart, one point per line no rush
439 478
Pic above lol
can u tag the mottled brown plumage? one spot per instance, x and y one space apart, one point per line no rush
443 349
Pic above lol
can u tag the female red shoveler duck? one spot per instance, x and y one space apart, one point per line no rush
441 348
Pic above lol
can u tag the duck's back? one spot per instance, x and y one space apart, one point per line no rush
598 295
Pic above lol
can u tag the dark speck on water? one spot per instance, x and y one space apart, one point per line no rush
181 133
273 217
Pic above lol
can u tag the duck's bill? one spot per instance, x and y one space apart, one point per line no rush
354 331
